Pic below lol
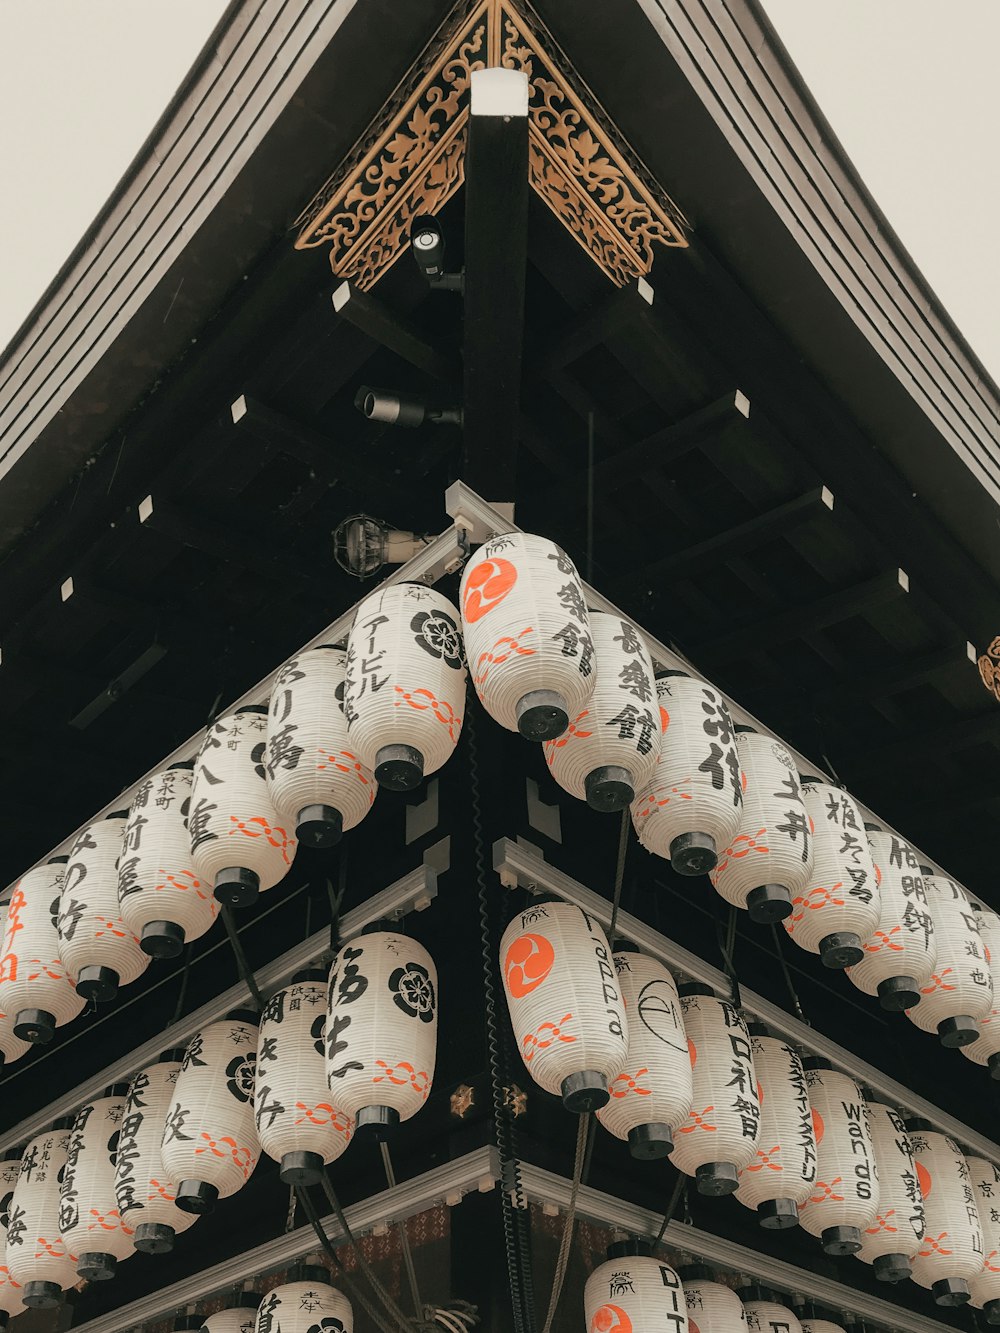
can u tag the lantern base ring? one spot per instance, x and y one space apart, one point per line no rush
301 1168
716 1178
35 1025
609 788
892 1267
585 1091
42 1295
694 853
399 767
962 1030
542 715
154 1238
992 1312
841 1240
951 1291
162 939
898 993
196 1196
237 886
97 1266
778 1214
769 903
993 1065
319 826
377 1121
842 949
649 1142
99 984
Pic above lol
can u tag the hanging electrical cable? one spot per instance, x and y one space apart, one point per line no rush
302 1195
244 968
404 1241
793 994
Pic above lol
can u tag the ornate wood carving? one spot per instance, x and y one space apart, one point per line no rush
411 158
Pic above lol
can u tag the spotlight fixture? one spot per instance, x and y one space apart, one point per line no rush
427 240
362 545
403 409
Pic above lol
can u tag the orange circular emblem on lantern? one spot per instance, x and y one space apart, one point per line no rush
819 1129
529 961
489 583
692 1053
610 1319
923 1180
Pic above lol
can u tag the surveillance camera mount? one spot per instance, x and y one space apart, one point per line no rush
427 243
403 409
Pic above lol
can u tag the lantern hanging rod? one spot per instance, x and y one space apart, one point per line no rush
414 892
545 1187
480 521
440 556
520 868
448 1184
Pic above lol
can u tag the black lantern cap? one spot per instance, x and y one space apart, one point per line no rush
714 1179
778 1214
769 903
542 715
309 1273
633 1247
154 1238
249 1300
694 853
695 1273
585 1091
695 988
951 1291
892 1267
162 939
196 1196
896 994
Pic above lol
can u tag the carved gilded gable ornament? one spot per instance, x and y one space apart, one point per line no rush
411 159
989 667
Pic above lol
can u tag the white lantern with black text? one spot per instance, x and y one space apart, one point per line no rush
37 1255
381 1028
782 1174
844 1200
12 1046
985 1050
960 990
210 1144
297 1121
239 843
951 1254
633 1290
691 806
839 908
770 860
766 1313
163 898
893 1239
652 1094
610 749
712 1307
239 1316
565 1005
527 634
307 1303
404 687
10 1291
900 954
89 1219
35 991
144 1195
316 780
99 951
721 1135
986 1188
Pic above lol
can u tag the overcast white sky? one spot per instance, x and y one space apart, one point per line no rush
910 87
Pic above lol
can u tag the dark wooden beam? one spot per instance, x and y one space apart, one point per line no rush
391 330
933 742
496 247
906 675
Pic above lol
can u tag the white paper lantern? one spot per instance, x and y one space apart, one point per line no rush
692 804
892 1240
89 1219
527 634
99 951
782 1174
610 749
239 843
239 1316
721 1135
766 1314
210 1144
634 1293
960 990
839 908
12 1047
565 1006
844 1202
307 1303
35 992
381 1028
770 860
37 1256
711 1306
297 1121
652 1095
10 1291
163 899
900 955
985 1287
316 780
404 687
951 1254
144 1195
985 1050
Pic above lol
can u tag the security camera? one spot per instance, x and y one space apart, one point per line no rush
427 241
402 409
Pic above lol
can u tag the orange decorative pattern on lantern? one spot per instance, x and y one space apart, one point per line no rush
243 1157
736 852
536 1041
112 926
276 837
494 658
882 939
764 1162
882 1223
574 729
488 584
650 805
698 1121
630 1083
610 1319
828 1192
184 880
417 1079
938 982
422 700
819 1128
529 961
934 1245
160 1191
324 1114
56 1249
108 1221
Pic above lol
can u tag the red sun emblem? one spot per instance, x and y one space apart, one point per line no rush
818 1127
529 961
610 1319
924 1180
489 583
